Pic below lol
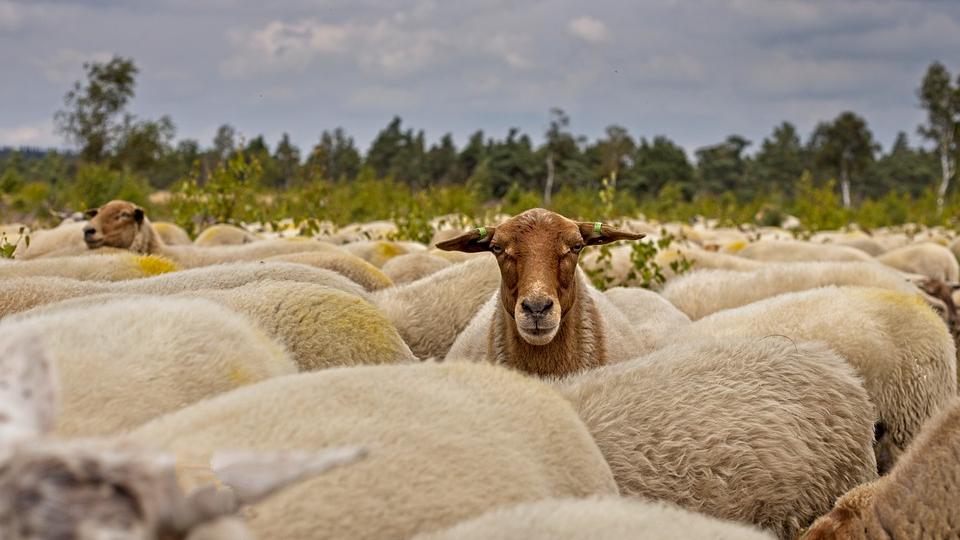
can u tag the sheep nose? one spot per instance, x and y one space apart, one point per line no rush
537 306
89 231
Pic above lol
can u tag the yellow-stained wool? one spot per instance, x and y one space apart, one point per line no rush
25 293
320 326
358 270
110 267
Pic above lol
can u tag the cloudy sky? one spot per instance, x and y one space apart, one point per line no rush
694 70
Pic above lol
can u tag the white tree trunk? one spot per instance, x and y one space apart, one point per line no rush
548 189
946 169
845 184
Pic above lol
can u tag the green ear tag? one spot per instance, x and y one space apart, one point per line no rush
596 227
483 232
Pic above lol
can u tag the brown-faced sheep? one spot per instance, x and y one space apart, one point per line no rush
920 498
545 319
900 347
764 431
447 443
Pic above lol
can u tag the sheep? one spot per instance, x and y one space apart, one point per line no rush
928 259
918 499
413 266
22 294
222 234
652 316
765 431
124 225
171 234
545 319
703 292
102 488
356 269
447 442
596 518
793 251
376 252
897 344
431 312
66 239
321 327
107 267
125 361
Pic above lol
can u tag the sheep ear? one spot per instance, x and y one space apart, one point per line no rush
91 213
472 242
595 233
28 389
255 476
138 215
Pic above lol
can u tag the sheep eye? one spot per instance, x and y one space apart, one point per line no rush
496 249
576 248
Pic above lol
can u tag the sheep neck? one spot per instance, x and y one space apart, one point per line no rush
146 241
579 343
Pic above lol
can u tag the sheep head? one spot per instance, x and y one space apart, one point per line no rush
115 224
537 252
113 489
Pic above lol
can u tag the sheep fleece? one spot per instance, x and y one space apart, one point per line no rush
765 431
446 443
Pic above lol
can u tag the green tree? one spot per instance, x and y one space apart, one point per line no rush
142 145
779 162
903 170
94 108
443 165
224 142
844 146
941 100
722 167
612 155
287 158
562 155
335 157
657 163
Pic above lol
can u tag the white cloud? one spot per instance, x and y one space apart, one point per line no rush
66 65
281 46
588 29
34 134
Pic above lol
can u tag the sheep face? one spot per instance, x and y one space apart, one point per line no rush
537 252
115 224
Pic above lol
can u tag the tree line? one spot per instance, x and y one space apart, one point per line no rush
139 155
